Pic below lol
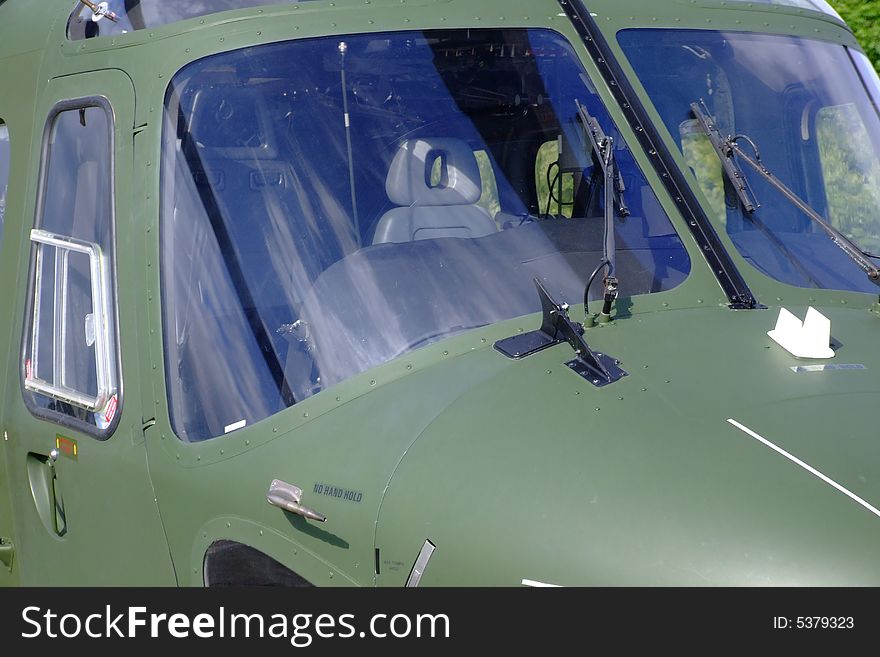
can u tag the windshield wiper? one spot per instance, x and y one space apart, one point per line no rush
602 146
727 147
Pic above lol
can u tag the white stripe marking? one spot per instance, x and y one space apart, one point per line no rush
806 467
540 585
235 426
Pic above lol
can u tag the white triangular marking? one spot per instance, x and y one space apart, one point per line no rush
808 339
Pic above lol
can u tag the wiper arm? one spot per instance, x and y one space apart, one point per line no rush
727 147
602 146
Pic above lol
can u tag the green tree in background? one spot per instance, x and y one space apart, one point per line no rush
863 17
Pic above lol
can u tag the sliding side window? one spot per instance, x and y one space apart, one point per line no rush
70 358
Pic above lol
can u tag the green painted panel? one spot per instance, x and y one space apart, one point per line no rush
515 470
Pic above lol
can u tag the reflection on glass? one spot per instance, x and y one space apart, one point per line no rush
331 204
852 172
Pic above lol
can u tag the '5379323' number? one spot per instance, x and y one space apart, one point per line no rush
824 622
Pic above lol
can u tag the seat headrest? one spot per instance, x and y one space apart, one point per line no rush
409 178
232 122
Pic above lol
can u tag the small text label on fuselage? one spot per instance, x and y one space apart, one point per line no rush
341 493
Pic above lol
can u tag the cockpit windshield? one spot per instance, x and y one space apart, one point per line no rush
811 109
331 204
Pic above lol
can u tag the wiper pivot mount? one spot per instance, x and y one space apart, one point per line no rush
556 327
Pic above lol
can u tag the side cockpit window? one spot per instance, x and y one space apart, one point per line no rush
70 361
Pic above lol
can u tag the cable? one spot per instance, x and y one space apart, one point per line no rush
602 263
550 196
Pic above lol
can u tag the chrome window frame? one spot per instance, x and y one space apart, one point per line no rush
62 418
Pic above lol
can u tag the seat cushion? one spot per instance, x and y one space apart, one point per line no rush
432 222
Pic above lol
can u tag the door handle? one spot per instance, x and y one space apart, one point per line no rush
288 497
46 491
7 552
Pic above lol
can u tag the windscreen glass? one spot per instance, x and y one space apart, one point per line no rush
335 203
805 109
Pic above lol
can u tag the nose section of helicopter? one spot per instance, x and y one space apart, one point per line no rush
751 475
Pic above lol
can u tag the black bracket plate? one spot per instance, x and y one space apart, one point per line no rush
525 344
557 327
612 366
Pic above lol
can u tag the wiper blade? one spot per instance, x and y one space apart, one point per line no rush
602 146
724 150
740 184
727 147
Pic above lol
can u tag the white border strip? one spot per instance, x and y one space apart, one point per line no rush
540 585
805 466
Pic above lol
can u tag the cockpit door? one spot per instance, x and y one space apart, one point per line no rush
84 507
